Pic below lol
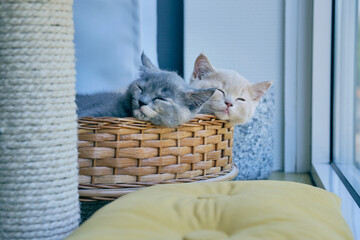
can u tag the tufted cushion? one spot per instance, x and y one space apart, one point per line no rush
222 210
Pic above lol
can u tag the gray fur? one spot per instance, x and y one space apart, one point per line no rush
165 98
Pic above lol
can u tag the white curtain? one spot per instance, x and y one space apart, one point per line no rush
109 38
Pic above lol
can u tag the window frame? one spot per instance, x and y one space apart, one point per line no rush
324 172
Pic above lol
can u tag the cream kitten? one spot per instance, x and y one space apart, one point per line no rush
236 98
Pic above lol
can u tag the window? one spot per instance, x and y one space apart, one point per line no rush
334 82
346 93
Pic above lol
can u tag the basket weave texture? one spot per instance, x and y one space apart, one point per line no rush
119 155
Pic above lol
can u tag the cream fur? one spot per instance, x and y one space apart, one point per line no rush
243 95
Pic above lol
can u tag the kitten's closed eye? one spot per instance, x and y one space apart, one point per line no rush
222 91
140 88
160 98
241 99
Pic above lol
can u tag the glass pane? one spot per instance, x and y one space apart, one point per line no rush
346 91
357 94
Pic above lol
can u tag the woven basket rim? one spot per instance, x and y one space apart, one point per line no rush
133 123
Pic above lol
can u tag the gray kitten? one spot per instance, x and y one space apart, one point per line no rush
158 96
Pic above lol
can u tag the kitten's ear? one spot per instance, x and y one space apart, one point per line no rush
146 62
197 98
202 67
260 89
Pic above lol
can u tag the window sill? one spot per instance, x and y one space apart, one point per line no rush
325 177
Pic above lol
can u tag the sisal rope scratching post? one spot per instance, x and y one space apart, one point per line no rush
38 128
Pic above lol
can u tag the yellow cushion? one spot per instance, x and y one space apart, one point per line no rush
222 210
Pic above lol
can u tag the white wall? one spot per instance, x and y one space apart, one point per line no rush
244 35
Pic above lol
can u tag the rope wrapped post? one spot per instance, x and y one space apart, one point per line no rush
38 127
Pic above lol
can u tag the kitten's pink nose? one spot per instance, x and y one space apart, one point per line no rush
228 104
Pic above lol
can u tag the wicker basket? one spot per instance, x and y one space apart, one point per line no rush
120 155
